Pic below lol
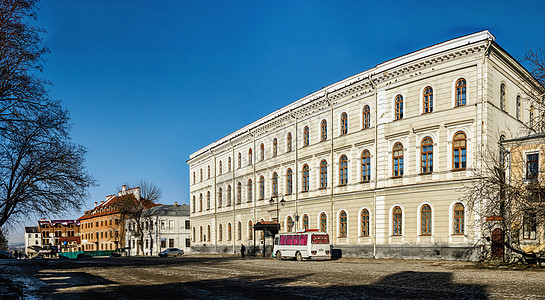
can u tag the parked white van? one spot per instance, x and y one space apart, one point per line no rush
305 244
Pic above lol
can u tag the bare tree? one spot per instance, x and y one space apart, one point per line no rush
3 240
41 169
132 208
535 60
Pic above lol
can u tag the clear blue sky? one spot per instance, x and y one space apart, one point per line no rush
148 83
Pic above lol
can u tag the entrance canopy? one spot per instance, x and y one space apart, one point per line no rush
270 226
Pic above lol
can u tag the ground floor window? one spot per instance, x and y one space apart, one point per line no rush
163 243
171 243
187 243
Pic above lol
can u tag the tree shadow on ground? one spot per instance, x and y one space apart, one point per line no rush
402 285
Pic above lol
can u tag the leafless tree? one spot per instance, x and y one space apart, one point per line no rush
3 241
133 209
41 169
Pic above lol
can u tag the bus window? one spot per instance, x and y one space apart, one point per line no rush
320 239
282 240
304 240
289 239
276 241
296 240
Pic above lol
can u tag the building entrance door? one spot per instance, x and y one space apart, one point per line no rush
497 242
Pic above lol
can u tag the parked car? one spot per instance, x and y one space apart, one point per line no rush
171 252
5 254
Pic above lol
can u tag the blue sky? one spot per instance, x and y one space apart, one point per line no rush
147 83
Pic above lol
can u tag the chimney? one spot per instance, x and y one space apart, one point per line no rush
101 202
123 188
95 204
176 204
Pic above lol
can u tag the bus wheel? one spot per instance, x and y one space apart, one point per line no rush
278 255
298 256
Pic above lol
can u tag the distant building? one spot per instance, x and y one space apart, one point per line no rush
165 226
33 240
53 230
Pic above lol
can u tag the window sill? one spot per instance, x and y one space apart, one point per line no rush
341 185
427 173
396 177
366 181
458 170
323 188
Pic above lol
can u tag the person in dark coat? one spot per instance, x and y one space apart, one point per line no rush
242 250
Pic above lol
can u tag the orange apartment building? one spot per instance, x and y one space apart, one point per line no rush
56 232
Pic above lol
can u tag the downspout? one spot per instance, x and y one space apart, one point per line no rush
374 235
296 167
233 193
215 204
253 179
330 104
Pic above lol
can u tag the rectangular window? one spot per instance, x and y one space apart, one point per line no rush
289 240
187 224
187 243
296 240
320 239
303 241
171 243
532 166
163 243
282 240
529 228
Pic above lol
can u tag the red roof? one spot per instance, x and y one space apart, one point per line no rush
76 239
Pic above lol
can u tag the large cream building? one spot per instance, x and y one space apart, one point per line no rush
378 160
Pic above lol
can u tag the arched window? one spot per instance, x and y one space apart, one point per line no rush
425 217
289 182
288 142
220 233
306 180
461 92
194 235
399 107
229 165
194 179
397 157
250 230
208 172
365 223
518 108
201 174
239 231
208 233
306 136
229 195
459 151
200 236
366 116
250 190
239 192
275 184
323 174
239 160
220 168
531 116
458 218
275 147
261 188
323 222
426 151
220 197
262 153
343 170
428 99
194 202
397 217
290 224
250 156
344 123
365 166
343 224
208 200
323 130
305 222
229 232
502 96
200 202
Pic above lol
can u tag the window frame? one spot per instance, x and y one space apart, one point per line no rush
262 152
503 94
461 150
306 221
458 219
323 222
343 224
344 123
460 93
239 192
249 190
366 117
397 221
275 184
306 136
398 105
427 100
531 175
289 181
365 166
289 224
365 218
289 140
343 170
261 187
426 155
306 178
426 220
323 130
398 161
275 147
323 174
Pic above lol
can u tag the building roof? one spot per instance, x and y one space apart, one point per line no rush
168 210
539 135
32 229
43 222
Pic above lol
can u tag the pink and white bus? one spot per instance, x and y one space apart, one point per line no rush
307 244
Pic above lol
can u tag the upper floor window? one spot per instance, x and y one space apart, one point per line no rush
397 159
200 202
344 123
201 174
220 168
250 190
323 174
229 195
305 222
397 217
250 230
343 224
261 188
239 160
366 117
425 219
275 184
459 149
194 180
193 203
365 166
502 96
262 152
208 200
428 99
306 136
305 178
458 218
275 147
518 108
343 170
290 224
229 165
250 156
426 151
323 130
239 192
364 223
461 92
399 107
532 166
323 222
220 197
531 116
289 182
288 142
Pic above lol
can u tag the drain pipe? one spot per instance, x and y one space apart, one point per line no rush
374 87
296 167
331 206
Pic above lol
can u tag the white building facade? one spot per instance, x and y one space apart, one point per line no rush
378 160
165 226
33 240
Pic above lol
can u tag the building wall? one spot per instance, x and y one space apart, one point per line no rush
102 232
481 120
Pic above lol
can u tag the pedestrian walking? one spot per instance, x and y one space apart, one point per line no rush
242 250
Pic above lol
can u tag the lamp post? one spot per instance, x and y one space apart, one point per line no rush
282 202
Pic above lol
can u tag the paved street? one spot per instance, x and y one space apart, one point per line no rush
212 277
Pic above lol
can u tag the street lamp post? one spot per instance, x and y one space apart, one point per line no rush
282 202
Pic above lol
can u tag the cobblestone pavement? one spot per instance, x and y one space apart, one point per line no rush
229 277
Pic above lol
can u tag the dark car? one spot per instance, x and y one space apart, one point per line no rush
171 252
